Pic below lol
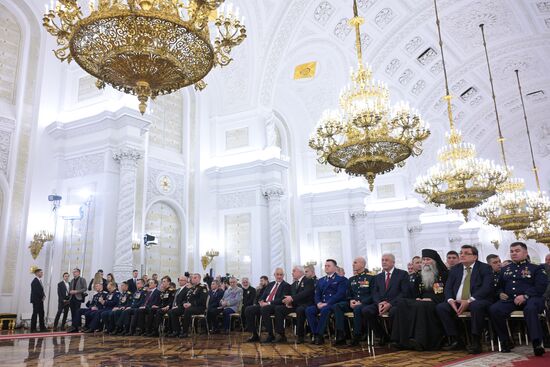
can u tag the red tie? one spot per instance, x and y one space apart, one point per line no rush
387 279
272 293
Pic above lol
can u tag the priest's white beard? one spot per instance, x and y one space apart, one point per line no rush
429 273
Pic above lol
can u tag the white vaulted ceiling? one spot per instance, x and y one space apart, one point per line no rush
400 43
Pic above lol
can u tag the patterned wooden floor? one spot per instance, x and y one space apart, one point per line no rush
217 350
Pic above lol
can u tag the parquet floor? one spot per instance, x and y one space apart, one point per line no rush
216 350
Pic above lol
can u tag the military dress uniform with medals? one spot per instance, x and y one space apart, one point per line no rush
109 317
123 322
359 290
197 298
94 306
111 300
416 325
520 279
153 322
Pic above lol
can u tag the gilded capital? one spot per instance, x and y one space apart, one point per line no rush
127 154
273 193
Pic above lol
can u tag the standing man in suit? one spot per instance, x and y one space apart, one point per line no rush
301 297
37 299
390 287
132 282
62 301
359 297
272 296
469 288
521 286
329 290
77 294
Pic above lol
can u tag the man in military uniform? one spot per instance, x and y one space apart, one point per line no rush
124 300
167 295
359 296
300 298
329 290
195 305
108 302
123 318
494 262
93 306
521 287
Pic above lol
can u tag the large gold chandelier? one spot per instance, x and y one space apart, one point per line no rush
145 47
512 208
459 180
367 137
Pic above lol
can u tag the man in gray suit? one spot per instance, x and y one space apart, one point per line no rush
77 295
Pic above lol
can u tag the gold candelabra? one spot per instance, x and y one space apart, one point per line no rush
38 241
208 257
145 47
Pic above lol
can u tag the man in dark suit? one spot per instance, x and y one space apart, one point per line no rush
62 301
77 295
469 288
301 296
177 309
390 287
37 299
272 296
249 296
132 282
330 290
152 300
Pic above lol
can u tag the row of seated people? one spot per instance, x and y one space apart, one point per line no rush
423 308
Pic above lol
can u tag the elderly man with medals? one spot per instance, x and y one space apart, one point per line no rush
416 325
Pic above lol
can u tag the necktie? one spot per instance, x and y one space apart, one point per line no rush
74 283
466 285
176 296
272 293
387 280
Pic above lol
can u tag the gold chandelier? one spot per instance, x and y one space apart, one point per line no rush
539 230
459 180
367 137
145 47
512 208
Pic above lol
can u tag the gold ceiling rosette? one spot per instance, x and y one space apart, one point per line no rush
460 180
367 136
512 208
145 47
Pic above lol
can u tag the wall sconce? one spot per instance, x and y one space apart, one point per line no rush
136 245
496 243
38 241
208 257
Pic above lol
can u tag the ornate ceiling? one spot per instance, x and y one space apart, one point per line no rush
400 42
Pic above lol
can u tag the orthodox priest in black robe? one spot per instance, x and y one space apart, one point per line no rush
416 325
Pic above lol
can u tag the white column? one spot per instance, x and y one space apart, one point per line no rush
273 197
359 233
127 158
